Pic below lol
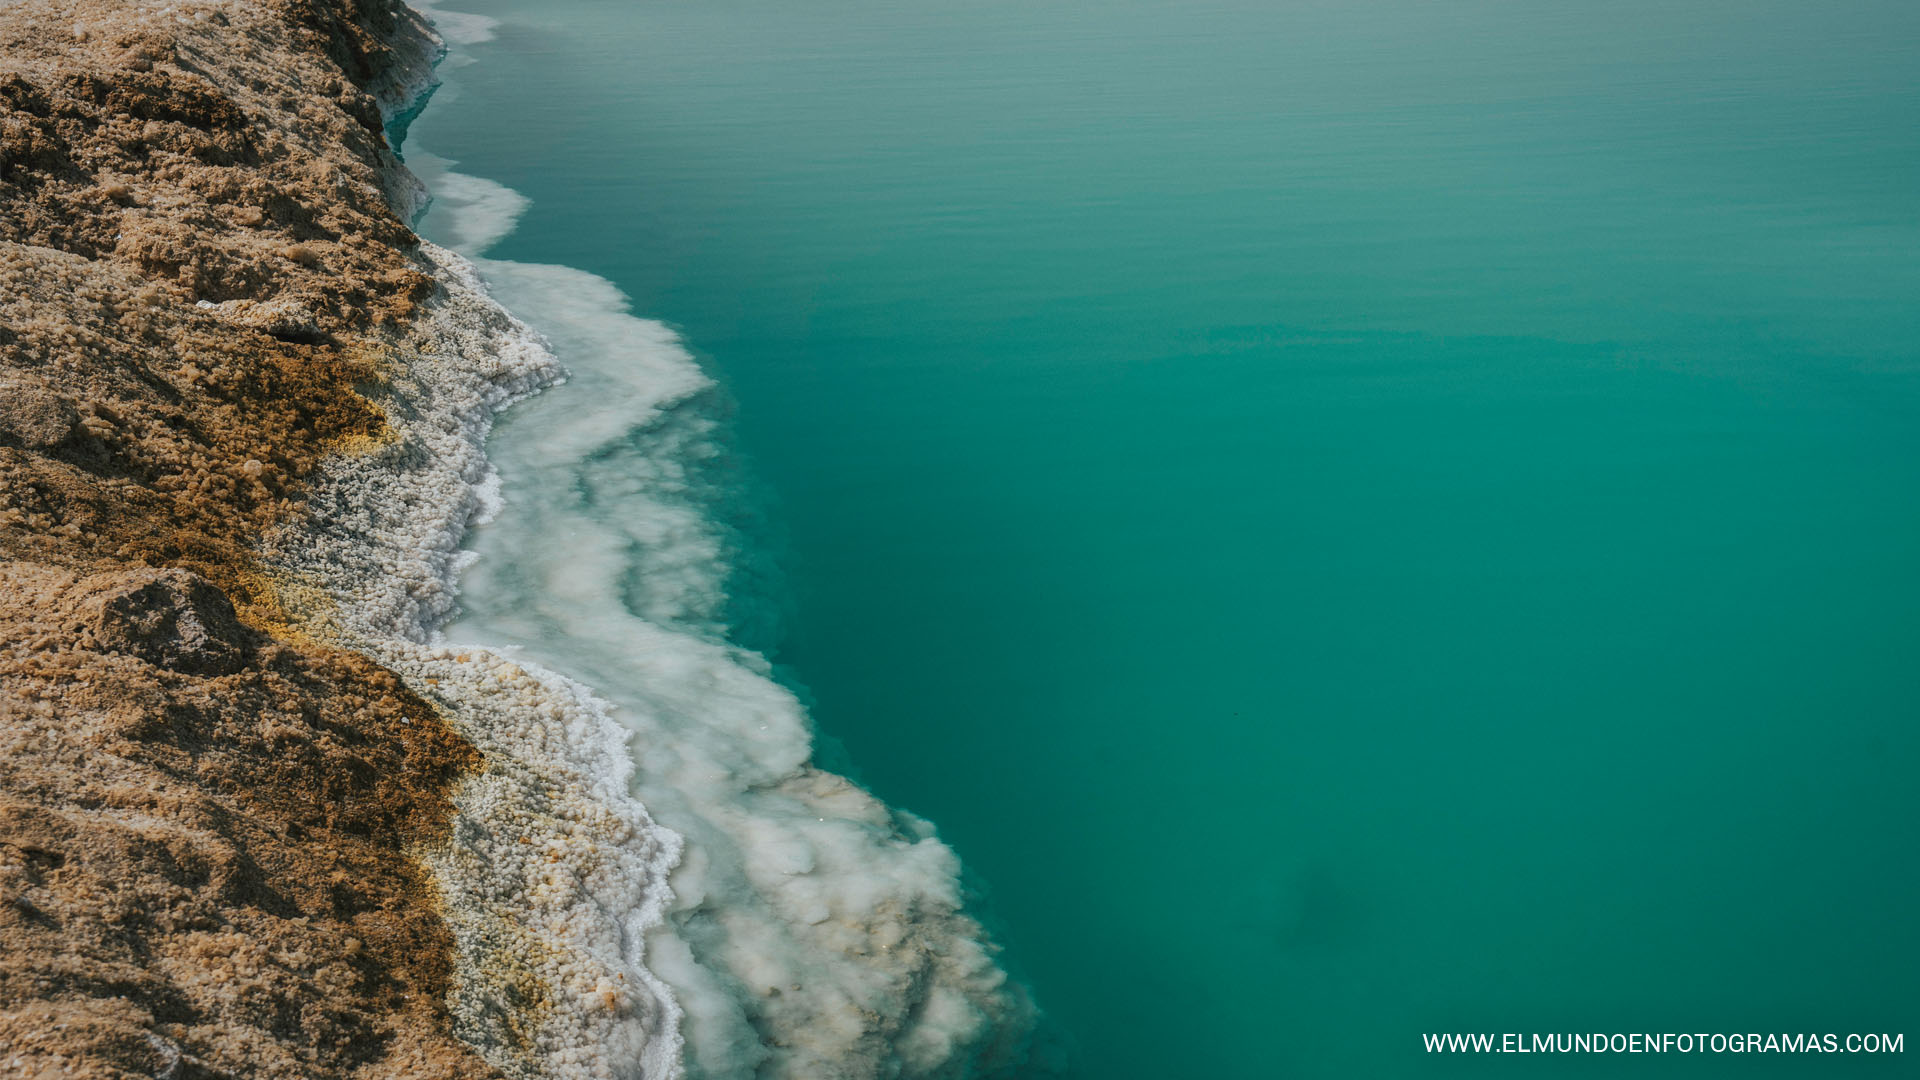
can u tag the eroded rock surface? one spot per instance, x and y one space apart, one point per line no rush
204 847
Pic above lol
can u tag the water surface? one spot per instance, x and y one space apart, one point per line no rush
1353 518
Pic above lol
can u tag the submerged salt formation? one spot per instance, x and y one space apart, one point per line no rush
260 818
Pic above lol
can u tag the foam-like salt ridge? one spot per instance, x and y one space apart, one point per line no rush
555 873
814 931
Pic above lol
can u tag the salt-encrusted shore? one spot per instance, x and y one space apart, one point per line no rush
235 380
225 825
255 817
555 873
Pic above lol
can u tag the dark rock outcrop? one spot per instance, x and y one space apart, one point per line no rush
173 619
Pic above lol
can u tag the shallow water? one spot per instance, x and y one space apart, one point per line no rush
1353 519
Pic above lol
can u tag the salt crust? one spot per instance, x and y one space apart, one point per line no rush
555 873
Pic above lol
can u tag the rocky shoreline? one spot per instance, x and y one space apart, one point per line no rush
250 823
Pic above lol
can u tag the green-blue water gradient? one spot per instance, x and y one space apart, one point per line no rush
1354 518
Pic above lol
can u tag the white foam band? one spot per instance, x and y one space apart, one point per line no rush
815 932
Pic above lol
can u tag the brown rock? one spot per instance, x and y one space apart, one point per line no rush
173 619
213 868
32 416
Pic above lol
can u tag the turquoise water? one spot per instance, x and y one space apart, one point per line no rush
1354 519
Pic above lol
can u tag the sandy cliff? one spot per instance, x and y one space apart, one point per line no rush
210 819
